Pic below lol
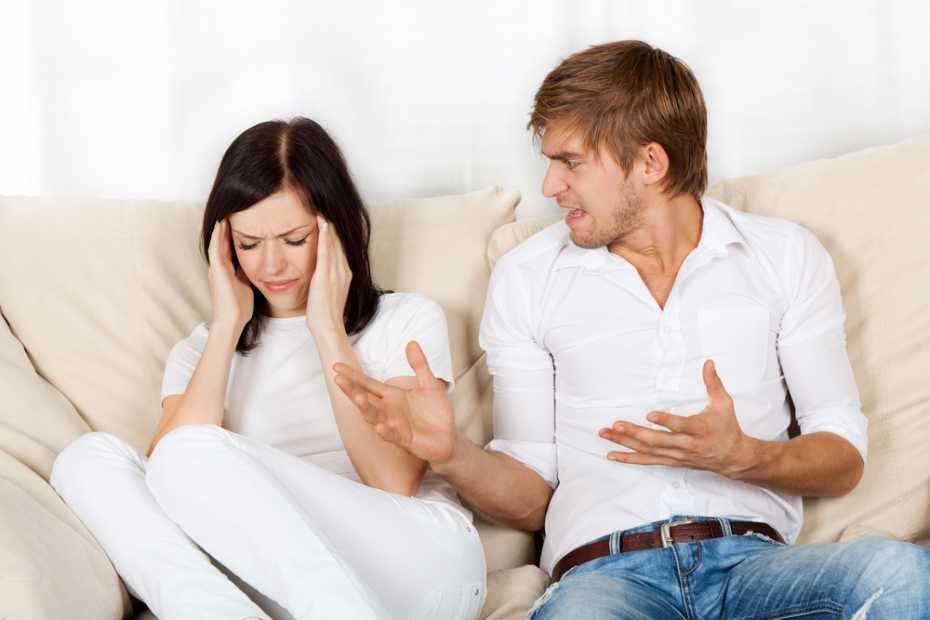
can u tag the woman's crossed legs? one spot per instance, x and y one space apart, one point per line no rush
317 544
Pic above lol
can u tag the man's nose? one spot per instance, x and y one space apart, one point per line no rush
553 184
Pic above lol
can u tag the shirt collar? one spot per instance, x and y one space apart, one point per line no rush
719 231
717 235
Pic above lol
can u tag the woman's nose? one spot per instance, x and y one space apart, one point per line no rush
273 260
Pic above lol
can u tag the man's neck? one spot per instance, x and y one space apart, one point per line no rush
670 230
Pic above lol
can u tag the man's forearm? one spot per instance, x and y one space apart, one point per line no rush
819 464
497 485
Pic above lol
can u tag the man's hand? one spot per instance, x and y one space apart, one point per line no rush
420 419
710 440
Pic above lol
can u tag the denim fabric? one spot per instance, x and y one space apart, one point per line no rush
742 577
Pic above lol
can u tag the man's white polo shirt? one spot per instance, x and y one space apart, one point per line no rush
575 341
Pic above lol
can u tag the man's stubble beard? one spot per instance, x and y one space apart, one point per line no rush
624 219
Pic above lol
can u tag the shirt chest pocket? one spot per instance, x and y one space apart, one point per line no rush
737 339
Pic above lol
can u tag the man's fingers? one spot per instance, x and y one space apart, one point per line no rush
417 360
345 384
387 433
675 423
712 382
650 437
359 380
371 407
377 404
634 458
644 447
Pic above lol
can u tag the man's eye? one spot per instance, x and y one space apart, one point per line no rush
246 246
297 242
571 164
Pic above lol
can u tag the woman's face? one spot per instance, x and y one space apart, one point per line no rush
275 241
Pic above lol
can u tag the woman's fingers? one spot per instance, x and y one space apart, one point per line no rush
222 247
214 244
322 246
220 250
330 251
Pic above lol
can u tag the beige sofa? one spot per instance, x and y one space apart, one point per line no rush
94 293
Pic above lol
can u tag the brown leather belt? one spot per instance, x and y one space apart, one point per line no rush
669 534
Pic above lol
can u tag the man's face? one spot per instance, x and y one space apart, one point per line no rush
602 200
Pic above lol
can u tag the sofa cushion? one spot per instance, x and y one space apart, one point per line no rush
36 420
870 210
50 565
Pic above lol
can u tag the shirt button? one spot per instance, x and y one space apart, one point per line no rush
676 485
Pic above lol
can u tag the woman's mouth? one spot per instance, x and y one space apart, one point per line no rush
280 286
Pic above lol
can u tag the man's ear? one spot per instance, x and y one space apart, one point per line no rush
655 163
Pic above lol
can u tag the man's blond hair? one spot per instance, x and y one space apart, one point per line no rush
624 95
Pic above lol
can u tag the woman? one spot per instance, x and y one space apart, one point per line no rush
259 459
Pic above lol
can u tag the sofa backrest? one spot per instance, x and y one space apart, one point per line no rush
98 291
871 210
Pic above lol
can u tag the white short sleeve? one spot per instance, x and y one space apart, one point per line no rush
523 409
401 318
812 348
182 360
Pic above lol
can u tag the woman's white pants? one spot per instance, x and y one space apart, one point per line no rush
297 540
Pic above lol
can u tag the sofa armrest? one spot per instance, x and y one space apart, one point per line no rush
50 565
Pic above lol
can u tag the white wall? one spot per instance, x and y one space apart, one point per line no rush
139 100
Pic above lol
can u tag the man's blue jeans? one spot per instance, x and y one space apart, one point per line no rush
748 576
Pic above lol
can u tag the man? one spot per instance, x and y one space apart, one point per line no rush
643 353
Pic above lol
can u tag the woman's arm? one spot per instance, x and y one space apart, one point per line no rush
379 463
204 399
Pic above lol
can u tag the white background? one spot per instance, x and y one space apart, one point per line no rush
130 99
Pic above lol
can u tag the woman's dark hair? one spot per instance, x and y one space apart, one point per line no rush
297 155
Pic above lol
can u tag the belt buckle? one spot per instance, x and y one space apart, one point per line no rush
666 533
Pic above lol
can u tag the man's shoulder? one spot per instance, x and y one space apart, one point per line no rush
538 251
772 236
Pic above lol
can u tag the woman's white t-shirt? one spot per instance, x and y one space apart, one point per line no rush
277 394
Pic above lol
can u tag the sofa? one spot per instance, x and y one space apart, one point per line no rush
93 293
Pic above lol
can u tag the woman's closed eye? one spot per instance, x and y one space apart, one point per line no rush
297 242
291 242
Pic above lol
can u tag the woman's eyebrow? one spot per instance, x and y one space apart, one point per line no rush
284 234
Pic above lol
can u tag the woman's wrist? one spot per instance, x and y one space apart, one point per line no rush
328 335
227 330
326 329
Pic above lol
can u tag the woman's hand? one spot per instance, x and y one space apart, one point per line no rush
230 291
329 285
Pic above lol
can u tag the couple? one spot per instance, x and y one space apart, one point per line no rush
643 354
